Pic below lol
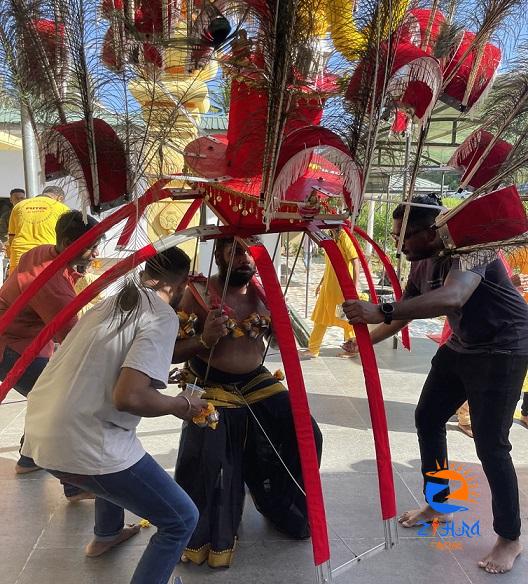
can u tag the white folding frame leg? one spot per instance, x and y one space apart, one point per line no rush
323 573
390 528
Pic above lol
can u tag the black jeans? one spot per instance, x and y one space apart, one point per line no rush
492 383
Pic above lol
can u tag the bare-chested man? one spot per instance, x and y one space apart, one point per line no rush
213 465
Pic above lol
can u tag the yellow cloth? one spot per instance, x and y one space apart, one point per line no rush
32 222
330 296
518 261
318 333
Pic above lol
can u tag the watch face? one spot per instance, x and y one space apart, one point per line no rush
387 308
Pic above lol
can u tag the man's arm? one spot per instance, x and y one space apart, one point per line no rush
385 331
456 291
133 394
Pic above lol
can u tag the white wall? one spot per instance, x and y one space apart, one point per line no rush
11 171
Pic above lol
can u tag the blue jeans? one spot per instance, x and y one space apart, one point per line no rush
149 492
24 385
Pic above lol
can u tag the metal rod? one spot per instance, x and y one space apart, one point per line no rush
367 554
323 573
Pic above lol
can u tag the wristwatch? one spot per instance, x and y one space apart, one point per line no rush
387 309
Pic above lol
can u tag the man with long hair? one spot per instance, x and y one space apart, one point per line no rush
84 409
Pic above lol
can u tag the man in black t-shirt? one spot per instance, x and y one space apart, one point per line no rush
484 361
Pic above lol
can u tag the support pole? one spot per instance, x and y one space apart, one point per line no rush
370 225
30 153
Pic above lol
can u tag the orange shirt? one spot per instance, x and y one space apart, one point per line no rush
54 295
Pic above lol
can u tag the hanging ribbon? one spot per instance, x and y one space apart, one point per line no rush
73 250
299 402
81 300
372 382
364 265
393 277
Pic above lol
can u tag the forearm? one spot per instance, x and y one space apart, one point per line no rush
152 404
435 303
185 349
385 331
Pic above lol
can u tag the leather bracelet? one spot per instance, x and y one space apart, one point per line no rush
202 342
188 403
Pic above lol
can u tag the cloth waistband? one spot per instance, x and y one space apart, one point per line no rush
239 391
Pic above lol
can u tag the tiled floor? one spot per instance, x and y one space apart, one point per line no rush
42 535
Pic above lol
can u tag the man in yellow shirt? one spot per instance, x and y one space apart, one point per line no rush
32 222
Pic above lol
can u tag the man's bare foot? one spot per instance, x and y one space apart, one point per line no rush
80 497
502 556
98 548
425 514
20 470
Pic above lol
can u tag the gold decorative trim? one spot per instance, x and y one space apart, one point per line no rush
221 559
197 556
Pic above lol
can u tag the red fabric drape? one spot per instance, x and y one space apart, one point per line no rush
364 265
69 312
299 403
372 384
393 277
153 193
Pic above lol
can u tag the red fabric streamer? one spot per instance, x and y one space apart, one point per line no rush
364 265
372 384
80 301
73 250
69 312
393 277
299 403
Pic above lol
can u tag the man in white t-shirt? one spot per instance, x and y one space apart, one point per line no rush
84 409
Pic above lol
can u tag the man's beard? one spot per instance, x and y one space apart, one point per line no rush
239 277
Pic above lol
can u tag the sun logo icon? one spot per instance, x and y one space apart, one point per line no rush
467 490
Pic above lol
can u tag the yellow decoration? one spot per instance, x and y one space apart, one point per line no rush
207 417
145 523
348 39
164 216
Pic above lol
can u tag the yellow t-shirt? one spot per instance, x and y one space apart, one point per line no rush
32 222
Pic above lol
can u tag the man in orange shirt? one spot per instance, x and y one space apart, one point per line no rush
57 293
32 222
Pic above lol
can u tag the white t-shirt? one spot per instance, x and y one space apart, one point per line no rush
72 424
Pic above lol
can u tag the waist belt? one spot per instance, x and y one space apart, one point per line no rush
233 396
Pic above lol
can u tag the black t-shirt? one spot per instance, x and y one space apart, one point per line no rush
495 318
